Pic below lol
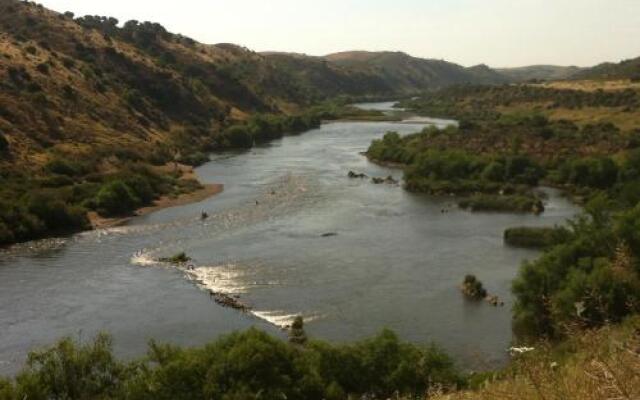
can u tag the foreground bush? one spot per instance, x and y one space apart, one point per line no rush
591 280
247 365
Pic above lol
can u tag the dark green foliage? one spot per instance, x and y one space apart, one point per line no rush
238 136
72 371
590 280
180 258
41 212
454 171
116 198
62 166
391 149
536 237
194 159
55 213
297 334
601 172
509 203
247 365
261 128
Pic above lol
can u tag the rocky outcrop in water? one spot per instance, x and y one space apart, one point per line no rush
355 175
388 180
329 234
473 289
228 301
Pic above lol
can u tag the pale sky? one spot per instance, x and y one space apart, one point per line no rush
500 33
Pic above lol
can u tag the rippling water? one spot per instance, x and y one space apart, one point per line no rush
395 259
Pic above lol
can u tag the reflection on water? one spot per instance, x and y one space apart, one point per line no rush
392 259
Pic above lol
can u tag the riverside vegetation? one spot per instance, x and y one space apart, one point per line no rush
95 115
589 276
248 365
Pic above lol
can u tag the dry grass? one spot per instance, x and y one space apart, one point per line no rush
592 85
624 119
602 365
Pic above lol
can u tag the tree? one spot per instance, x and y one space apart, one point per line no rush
297 334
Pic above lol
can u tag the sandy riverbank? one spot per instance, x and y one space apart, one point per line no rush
206 191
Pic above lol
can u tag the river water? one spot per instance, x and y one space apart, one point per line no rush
394 259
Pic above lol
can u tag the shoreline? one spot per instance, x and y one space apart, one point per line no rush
207 191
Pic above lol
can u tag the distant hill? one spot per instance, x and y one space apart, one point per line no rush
484 75
407 73
538 72
627 69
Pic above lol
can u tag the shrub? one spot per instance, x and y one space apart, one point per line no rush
63 167
72 371
195 158
297 334
513 203
55 213
600 172
536 237
242 365
587 281
116 198
238 136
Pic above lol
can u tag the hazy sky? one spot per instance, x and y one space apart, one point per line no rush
495 32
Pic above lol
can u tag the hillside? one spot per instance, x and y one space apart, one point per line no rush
323 78
538 72
627 69
408 73
92 113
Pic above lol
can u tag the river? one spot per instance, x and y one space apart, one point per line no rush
395 261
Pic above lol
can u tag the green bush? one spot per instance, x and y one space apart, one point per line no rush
510 203
242 365
195 158
238 136
71 371
536 237
22 224
55 213
63 167
590 280
600 172
116 198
